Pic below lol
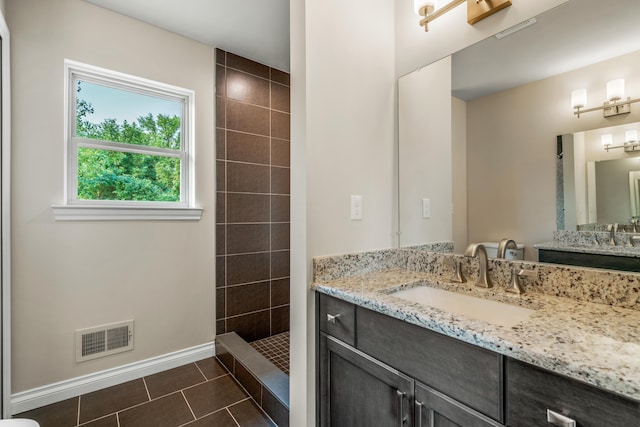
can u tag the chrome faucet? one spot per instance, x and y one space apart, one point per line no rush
478 250
504 245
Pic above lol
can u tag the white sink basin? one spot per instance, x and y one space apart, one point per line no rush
493 312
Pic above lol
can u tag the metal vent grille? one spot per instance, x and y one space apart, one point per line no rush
104 340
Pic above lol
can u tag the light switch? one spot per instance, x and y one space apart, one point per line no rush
426 208
356 207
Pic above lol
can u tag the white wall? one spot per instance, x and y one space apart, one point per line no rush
449 33
76 275
511 151
459 173
425 166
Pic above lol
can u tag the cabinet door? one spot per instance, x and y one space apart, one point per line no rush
434 409
534 394
357 390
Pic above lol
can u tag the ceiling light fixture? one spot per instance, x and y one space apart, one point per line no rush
615 105
477 10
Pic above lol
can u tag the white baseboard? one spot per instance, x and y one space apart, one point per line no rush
57 392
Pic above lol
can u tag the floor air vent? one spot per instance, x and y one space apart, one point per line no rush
105 340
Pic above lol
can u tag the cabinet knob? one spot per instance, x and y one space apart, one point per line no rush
559 420
332 318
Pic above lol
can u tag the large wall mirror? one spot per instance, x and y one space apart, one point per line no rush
478 131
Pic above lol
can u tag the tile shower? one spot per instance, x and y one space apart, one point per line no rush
252 153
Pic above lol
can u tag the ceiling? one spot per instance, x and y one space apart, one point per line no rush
573 35
258 30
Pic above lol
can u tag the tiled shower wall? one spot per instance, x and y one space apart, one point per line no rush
252 168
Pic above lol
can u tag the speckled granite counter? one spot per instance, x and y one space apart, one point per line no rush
595 343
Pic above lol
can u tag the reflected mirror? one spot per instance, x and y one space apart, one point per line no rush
598 184
477 130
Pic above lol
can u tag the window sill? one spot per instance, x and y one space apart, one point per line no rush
124 213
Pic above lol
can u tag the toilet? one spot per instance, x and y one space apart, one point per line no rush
18 422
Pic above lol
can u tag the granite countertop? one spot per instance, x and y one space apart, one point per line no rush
595 343
604 249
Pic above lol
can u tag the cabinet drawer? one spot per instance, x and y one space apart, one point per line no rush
337 318
532 391
467 373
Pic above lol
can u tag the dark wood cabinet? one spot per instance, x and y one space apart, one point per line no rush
611 262
435 409
531 391
375 370
358 390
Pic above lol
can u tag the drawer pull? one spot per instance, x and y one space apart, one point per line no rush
401 418
331 318
559 420
419 406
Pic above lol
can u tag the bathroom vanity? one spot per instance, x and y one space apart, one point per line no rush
388 361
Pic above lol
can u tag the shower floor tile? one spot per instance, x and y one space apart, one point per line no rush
275 349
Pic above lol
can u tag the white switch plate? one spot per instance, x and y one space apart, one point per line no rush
356 207
426 208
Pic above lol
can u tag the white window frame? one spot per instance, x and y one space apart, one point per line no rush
77 209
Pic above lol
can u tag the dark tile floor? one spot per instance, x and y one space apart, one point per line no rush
276 349
199 394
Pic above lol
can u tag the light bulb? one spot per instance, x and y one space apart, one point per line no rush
578 98
615 89
606 139
631 136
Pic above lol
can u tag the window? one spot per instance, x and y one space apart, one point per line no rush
129 145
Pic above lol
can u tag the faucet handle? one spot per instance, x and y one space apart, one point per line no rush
457 274
514 284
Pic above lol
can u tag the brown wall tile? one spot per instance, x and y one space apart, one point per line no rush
280 209
220 56
221 78
247 178
251 327
245 238
279 320
280 238
280 264
221 117
247 65
280 292
221 326
220 239
247 88
280 152
221 144
280 180
247 268
249 382
248 207
275 410
245 147
280 125
221 303
243 299
221 173
247 118
280 97
221 207
280 77
221 277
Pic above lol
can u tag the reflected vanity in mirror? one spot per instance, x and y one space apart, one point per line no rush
477 131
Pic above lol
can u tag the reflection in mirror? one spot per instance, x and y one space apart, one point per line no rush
598 185
510 99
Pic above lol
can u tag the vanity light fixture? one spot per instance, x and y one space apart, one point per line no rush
631 143
615 105
477 10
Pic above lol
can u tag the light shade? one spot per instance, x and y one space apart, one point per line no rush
578 98
631 136
615 89
606 139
